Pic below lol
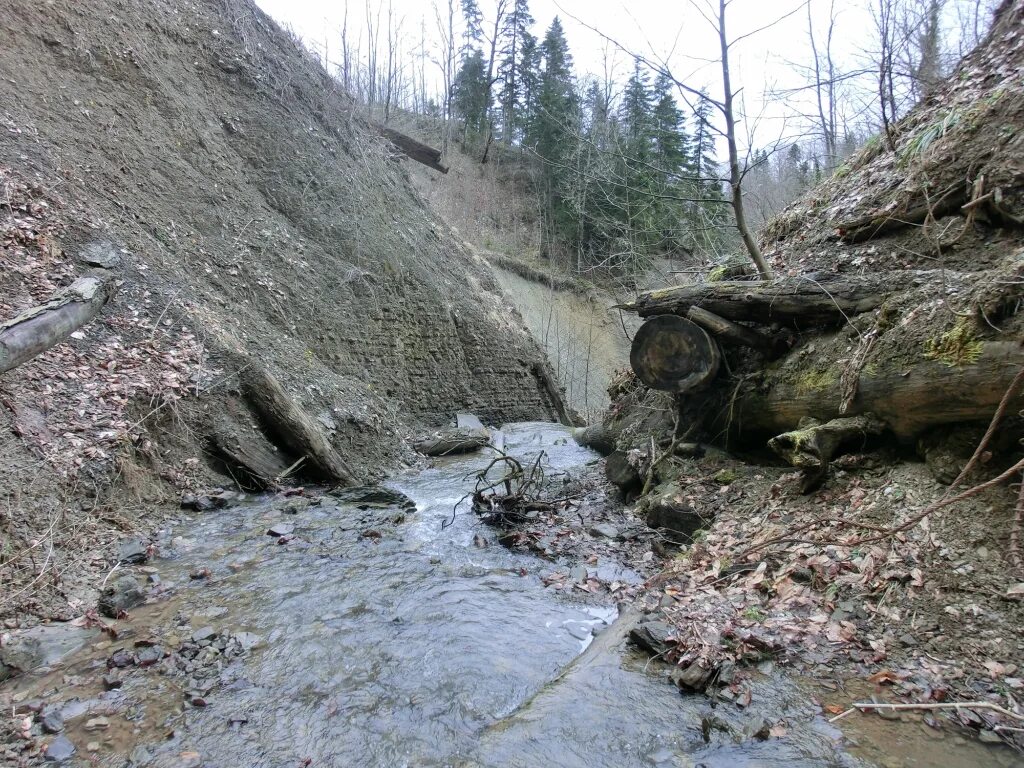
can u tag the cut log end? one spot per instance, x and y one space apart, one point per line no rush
672 354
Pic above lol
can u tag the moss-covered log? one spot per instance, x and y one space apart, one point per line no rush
908 395
803 300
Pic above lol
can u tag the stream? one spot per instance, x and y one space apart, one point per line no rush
376 637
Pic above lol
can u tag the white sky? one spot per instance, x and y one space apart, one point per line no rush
671 30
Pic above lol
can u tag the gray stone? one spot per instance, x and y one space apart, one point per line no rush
578 573
694 677
36 647
203 633
280 529
374 497
100 254
653 636
120 596
666 508
133 551
52 721
467 421
59 750
607 530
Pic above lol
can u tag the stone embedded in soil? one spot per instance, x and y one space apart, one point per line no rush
653 636
133 551
59 750
606 530
203 633
666 507
374 497
117 598
280 529
695 676
52 721
112 681
578 573
621 472
97 724
45 644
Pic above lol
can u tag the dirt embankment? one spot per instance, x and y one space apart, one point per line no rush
252 223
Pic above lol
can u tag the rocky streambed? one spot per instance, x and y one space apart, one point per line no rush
384 628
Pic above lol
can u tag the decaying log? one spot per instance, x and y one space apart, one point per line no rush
451 441
730 332
249 451
909 397
38 329
806 300
290 425
416 150
913 214
672 354
812 445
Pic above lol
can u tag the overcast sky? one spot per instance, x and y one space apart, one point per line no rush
670 30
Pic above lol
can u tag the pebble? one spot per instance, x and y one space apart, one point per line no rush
92 746
52 721
605 530
97 723
203 633
280 529
112 681
59 750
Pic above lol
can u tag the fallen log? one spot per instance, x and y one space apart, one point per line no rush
452 441
41 327
730 332
909 395
805 300
292 427
555 396
672 354
416 150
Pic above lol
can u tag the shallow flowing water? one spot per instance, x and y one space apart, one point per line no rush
383 641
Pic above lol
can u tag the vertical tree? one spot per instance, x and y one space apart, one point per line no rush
514 33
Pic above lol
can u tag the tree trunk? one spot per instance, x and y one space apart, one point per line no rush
38 329
909 397
416 150
291 426
799 300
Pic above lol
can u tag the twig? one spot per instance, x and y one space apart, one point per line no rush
944 705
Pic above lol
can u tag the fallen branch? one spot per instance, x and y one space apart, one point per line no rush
862 705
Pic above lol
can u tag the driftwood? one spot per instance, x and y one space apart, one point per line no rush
550 387
416 150
452 441
249 451
38 329
288 424
812 445
805 300
672 354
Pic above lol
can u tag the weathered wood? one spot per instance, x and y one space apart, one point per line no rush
451 441
672 354
807 300
287 423
913 214
730 332
908 397
812 445
549 387
416 150
38 329
249 451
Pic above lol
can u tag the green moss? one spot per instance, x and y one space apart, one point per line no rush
871 369
957 347
815 380
753 613
726 476
718 274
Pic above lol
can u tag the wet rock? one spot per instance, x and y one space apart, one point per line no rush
448 442
200 502
653 636
579 631
605 530
374 497
97 724
123 594
120 659
578 573
132 551
149 656
28 649
59 750
52 721
695 676
280 529
621 473
667 508
596 437
468 421
247 640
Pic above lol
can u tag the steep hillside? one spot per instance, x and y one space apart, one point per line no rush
252 224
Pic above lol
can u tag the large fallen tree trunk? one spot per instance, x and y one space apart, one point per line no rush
416 150
292 427
38 329
807 300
